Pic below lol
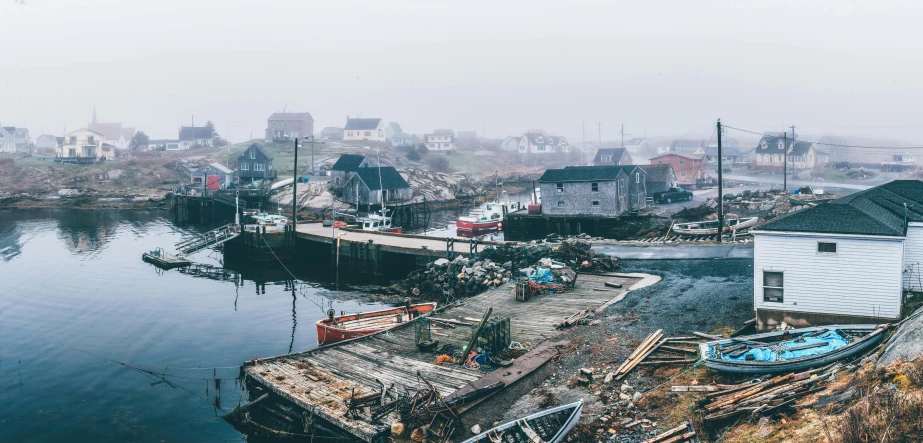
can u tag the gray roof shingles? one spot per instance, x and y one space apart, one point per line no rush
348 162
585 173
390 178
876 211
362 123
616 154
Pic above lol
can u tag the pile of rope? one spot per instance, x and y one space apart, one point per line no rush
544 288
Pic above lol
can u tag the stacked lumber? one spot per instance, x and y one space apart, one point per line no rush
680 434
671 354
761 397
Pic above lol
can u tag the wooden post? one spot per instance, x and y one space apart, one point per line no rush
474 337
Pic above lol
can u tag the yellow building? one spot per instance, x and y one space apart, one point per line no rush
83 146
372 129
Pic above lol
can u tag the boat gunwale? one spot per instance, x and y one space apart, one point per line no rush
571 420
874 332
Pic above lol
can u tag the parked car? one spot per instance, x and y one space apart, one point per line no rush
672 195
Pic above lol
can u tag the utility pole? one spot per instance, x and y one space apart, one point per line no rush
720 188
623 135
785 162
793 149
583 146
599 126
295 194
312 155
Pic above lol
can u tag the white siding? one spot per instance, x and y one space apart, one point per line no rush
913 257
863 278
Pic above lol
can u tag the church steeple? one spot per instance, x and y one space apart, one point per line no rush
94 114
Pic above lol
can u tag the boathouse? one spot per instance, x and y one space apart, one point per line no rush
660 178
211 177
593 190
255 164
345 168
846 261
368 185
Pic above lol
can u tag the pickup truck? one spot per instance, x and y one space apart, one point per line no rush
672 195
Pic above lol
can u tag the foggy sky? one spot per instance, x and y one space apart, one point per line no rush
660 67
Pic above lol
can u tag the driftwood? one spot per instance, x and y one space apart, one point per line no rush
643 350
708 336
683 432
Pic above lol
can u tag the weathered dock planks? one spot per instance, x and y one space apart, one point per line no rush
402 244
321 380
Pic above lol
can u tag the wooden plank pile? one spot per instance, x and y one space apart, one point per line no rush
681 434
763 396
671 353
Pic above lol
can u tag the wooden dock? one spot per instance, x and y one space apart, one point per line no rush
396 243
319 382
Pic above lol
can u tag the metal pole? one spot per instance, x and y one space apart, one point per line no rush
295 193
785 163
312 156
720 187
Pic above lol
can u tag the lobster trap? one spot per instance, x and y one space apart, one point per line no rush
495 336
423 334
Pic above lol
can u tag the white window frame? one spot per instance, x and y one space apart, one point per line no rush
835 248
594 187
253 154
245 166
780 288
559 187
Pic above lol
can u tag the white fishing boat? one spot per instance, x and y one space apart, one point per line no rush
549 426
710 227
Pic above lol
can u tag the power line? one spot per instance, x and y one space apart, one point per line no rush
888 148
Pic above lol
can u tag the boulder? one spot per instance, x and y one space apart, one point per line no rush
907 342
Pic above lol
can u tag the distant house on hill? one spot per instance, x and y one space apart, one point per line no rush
164 145
367 187
255 164
440 140
332 133
612 157
510 144
286 126
392 129
113 133
7 140
539 142
46 142
371 129
402 139
83 146
659 178
687 146
593 190
772 152
190 136
690 168
345 167
638 145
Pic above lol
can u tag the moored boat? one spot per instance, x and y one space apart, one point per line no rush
161 259
790 350
710 227
377 222
548 426
348 326
485 219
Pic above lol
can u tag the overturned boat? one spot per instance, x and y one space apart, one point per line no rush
336 328
710 227
791 350
549 426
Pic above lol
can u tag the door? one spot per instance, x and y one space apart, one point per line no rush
212 182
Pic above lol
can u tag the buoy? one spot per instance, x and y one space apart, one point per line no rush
397 429
499 226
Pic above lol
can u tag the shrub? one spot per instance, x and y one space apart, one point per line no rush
413 156
438 163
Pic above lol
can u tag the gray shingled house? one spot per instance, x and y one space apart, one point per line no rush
612 157
366 187
593 190
255 164
345 168
660 178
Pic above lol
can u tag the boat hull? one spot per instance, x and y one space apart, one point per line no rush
745 223
350 326
558 436
875 335
480 225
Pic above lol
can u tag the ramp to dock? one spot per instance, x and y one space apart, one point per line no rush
321 380
209 239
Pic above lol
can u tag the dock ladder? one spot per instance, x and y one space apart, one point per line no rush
209 239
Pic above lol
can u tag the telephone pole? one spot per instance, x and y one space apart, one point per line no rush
623 135
583 146
720 188
295 194
785 162
793 148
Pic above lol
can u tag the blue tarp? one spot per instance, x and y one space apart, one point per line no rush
542 275
768 354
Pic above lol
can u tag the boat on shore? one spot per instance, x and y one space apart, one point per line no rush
548 426
710 227
337 328
791 350
162 260
378 223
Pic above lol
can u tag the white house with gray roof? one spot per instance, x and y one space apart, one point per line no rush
7 141
539 142
847 261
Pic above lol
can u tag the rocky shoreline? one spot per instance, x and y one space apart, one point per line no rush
74 198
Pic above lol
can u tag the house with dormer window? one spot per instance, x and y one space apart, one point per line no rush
539 142
770 154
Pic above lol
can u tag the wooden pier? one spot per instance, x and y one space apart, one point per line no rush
396 243
318 383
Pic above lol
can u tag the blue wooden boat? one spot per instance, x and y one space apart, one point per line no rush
793 350
548 426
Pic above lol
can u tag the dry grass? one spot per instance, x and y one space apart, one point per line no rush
890 416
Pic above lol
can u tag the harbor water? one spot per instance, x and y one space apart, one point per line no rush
96 345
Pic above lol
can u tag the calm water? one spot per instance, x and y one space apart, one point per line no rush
76 293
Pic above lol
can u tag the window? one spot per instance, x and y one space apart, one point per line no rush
259 167
273 124
682 162
541 147
284 124
659 162
826 247
253 154
595 187
772 286
245 166
560 204
73 140
682 174
350 133
197 180
368 133
605 158
560 187
90 140
595 203
637 177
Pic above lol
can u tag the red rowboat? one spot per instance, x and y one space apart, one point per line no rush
344 327
472 224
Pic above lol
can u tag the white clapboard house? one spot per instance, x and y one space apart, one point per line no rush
847 261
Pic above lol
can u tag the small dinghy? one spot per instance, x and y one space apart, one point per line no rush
710 227
344 327
161 259
549 426
792 350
